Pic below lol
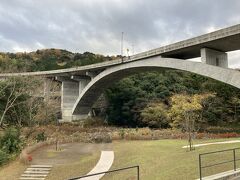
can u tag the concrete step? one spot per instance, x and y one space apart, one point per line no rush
36 172
34 175
41 166
31 178
38 169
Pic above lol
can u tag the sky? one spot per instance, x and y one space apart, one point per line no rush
97 25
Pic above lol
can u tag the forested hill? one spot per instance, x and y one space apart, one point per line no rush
47 59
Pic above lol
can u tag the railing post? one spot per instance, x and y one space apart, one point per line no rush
138 175
200 167
234 160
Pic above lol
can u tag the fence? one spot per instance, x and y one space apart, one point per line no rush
111 171
233 160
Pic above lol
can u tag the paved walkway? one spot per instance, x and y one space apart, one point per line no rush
213 143
104 164
36 172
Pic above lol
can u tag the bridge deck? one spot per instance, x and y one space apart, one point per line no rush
225 40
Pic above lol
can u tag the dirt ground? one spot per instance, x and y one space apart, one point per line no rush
67 154
71 160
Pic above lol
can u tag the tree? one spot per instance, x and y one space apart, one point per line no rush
44 104
155 115
236 105
185 112
18 96
13 91
122 98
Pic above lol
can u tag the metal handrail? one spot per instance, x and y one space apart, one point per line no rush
114 170
224 162
213 152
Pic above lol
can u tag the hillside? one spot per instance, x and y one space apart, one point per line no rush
47 59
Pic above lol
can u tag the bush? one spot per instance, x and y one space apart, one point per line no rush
218 129
41 137
93 122
122 133
3 157
101 138
155 115
10 142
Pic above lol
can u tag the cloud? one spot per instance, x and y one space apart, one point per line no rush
96 25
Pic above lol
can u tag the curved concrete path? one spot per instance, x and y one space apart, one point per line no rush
104 164
222 142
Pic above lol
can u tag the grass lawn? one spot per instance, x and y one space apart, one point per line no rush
80 167
158 160
167 160
12 171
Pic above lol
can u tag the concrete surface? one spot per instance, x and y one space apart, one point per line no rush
113 74
36 172
213 57
214 143
104 164
223 176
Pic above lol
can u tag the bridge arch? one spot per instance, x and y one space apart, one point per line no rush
113 74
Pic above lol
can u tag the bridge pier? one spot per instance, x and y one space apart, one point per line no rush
46 89
70 91
214 57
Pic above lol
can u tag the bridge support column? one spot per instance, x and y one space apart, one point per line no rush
213 57
68 97
71 88
46 89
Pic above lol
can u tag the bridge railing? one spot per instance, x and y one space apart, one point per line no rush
111 171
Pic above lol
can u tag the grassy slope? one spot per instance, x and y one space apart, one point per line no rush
165 159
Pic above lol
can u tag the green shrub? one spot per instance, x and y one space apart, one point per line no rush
3 157
10 142
101 137
218 129
41 137
122 133
93 122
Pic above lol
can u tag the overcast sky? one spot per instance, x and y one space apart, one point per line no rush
96 25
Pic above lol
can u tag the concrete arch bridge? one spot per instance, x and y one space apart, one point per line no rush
81 86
